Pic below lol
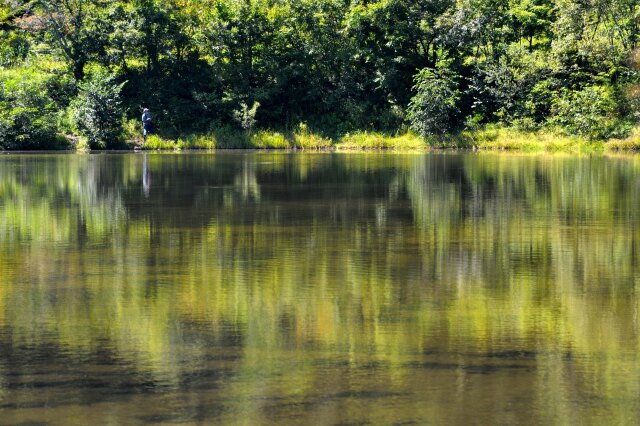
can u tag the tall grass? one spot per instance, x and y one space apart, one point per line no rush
379 141
265 139
220 139
495 138
632 143
155 142
304 138
226 138
492 138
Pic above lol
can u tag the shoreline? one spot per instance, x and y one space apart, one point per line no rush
488 139
491 138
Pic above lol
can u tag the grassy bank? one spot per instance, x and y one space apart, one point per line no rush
485 139
517 140
275 140
226 139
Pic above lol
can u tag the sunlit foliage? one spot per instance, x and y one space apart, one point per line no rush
339 66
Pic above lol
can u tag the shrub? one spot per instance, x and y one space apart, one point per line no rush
590 113
97 111
228 137
514 89
245 116
27 112
433 109
14 47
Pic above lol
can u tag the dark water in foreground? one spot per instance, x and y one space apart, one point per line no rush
252 288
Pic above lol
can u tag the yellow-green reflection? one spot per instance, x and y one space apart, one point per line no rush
319 288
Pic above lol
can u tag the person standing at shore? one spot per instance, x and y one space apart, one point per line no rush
147 123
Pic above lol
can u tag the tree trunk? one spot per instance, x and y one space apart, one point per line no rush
78 69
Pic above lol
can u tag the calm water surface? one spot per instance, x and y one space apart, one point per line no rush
275 288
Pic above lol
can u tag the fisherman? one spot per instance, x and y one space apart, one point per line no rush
147 124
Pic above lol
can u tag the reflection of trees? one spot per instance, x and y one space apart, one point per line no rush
391 256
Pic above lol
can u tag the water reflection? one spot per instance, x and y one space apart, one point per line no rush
319 288
146 176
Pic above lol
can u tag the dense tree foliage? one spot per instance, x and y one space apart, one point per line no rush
338 65
433 109
96 110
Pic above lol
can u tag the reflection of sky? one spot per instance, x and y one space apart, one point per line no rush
260 274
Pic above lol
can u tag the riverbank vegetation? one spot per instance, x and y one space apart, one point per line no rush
489 74
488 138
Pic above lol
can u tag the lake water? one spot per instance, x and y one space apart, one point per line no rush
326 288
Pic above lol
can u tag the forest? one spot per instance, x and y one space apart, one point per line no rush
81 71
